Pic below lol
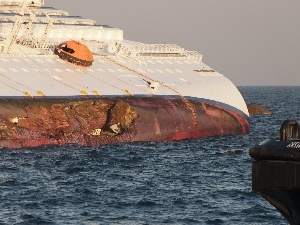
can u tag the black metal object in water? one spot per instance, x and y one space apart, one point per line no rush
276 171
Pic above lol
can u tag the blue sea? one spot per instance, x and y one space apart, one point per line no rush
199 181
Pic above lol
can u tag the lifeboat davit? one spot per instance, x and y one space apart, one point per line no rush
75 52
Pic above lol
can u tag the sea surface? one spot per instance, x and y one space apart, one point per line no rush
199 181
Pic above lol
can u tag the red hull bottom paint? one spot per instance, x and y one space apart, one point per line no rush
100 121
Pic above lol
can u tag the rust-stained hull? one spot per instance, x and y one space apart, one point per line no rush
102 120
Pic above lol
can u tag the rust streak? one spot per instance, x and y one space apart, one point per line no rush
186 101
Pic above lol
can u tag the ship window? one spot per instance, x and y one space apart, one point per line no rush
122 71
110 70
170 71
179 71
159 61
90 70
16 60
2 70
25 70
179 62
56 78
14 70
60 61
151 71
50 60
69 70
4 60
28 60
101 70
150 61
140 70
66 49
79 70
160 71
38 60
187 62
58 70
169 62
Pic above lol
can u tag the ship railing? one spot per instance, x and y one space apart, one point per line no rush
37 3
194 55
45 19
36 44
130 53
96 47
158 48
37 11
162 50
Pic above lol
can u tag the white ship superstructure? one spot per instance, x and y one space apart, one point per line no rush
29 32
66 79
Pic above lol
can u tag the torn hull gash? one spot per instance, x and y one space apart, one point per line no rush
100 121
69 80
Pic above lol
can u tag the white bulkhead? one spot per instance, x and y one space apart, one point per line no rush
29 33
37 3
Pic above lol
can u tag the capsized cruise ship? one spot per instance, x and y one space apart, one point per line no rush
69 80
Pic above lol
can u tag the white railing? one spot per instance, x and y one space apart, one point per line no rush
193 55
37 3
38 44
137 52
129 53
157 48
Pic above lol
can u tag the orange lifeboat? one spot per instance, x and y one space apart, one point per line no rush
75 52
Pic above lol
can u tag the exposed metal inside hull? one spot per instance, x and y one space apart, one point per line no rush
100 88
100 121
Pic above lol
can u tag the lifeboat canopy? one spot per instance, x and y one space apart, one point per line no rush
75 52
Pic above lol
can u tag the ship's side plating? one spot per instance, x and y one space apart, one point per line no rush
172 92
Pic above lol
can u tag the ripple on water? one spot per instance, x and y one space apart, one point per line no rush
198 181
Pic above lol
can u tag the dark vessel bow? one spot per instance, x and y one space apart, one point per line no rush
276 171
69 80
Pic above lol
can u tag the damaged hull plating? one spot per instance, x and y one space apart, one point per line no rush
100 121
69 80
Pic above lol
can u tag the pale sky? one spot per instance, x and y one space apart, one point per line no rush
252 42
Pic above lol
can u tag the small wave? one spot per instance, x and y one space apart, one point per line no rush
146 203
214 221
230 152
33 219
86 191
189 221
179 201
9 182
73 170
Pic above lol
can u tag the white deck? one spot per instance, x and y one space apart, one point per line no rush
28 66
